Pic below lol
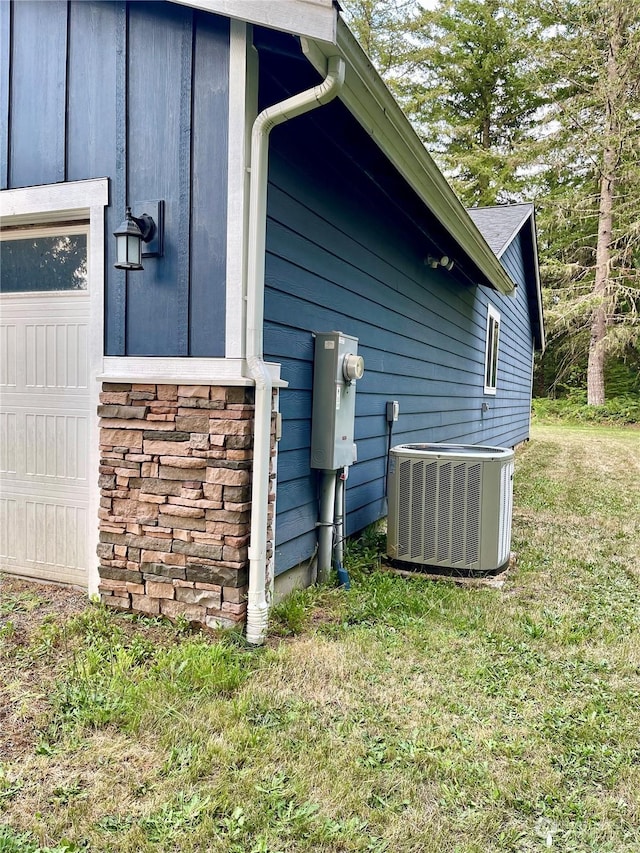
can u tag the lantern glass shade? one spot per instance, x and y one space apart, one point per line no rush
134 250
128 245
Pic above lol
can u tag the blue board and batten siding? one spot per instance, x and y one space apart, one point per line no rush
138 93
341 256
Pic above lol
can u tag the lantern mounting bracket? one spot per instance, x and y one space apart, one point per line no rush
151 223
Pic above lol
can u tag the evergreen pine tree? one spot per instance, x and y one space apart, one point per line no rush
475 104
591 181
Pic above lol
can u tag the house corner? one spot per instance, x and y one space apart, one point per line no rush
175 500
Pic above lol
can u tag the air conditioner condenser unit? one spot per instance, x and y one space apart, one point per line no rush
450 506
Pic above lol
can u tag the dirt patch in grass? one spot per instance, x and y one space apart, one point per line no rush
26 604
24 608
35 645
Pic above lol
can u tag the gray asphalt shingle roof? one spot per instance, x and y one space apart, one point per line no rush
499 225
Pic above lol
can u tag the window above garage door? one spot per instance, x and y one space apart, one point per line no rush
44 259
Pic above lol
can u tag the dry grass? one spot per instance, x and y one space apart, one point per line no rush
403 716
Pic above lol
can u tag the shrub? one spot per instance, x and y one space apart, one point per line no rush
574 409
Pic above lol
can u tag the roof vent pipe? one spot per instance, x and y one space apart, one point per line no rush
258 603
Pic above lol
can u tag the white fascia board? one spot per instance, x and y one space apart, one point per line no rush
182 371
314 19
530 215
368 99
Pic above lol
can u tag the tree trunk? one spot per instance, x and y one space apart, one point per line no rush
486 131
595 366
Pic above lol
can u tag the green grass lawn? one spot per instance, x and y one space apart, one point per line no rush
404 715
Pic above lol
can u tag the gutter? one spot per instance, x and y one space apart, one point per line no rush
259 597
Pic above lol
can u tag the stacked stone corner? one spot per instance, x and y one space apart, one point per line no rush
175 481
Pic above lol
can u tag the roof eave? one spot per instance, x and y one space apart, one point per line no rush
325 34
368 99
311 18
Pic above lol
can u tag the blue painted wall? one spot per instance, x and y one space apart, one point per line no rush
136 92
346 249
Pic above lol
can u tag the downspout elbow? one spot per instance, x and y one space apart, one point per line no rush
304 102
334 81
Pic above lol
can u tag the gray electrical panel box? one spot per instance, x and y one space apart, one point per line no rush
336 368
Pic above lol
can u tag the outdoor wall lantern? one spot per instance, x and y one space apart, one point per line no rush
136 230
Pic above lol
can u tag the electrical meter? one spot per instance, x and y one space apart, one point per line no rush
352 367
336 369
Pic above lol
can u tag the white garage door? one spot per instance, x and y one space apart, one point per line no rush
44 404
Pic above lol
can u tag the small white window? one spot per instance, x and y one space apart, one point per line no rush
491 351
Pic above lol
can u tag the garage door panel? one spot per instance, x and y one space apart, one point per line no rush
56 446
51 444
44 535
8 356
8 443
56 536
8 537
56 355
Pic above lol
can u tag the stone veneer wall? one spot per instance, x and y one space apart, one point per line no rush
175 479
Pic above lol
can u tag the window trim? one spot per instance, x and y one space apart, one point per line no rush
491 350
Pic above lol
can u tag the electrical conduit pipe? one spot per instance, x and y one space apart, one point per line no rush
326 525
258 604
338 551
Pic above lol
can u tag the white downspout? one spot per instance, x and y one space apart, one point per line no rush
258 604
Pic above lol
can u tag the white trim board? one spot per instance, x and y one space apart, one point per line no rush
314 18
70 201
237 186
515 231
182 371
536 270
493 317
52 202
